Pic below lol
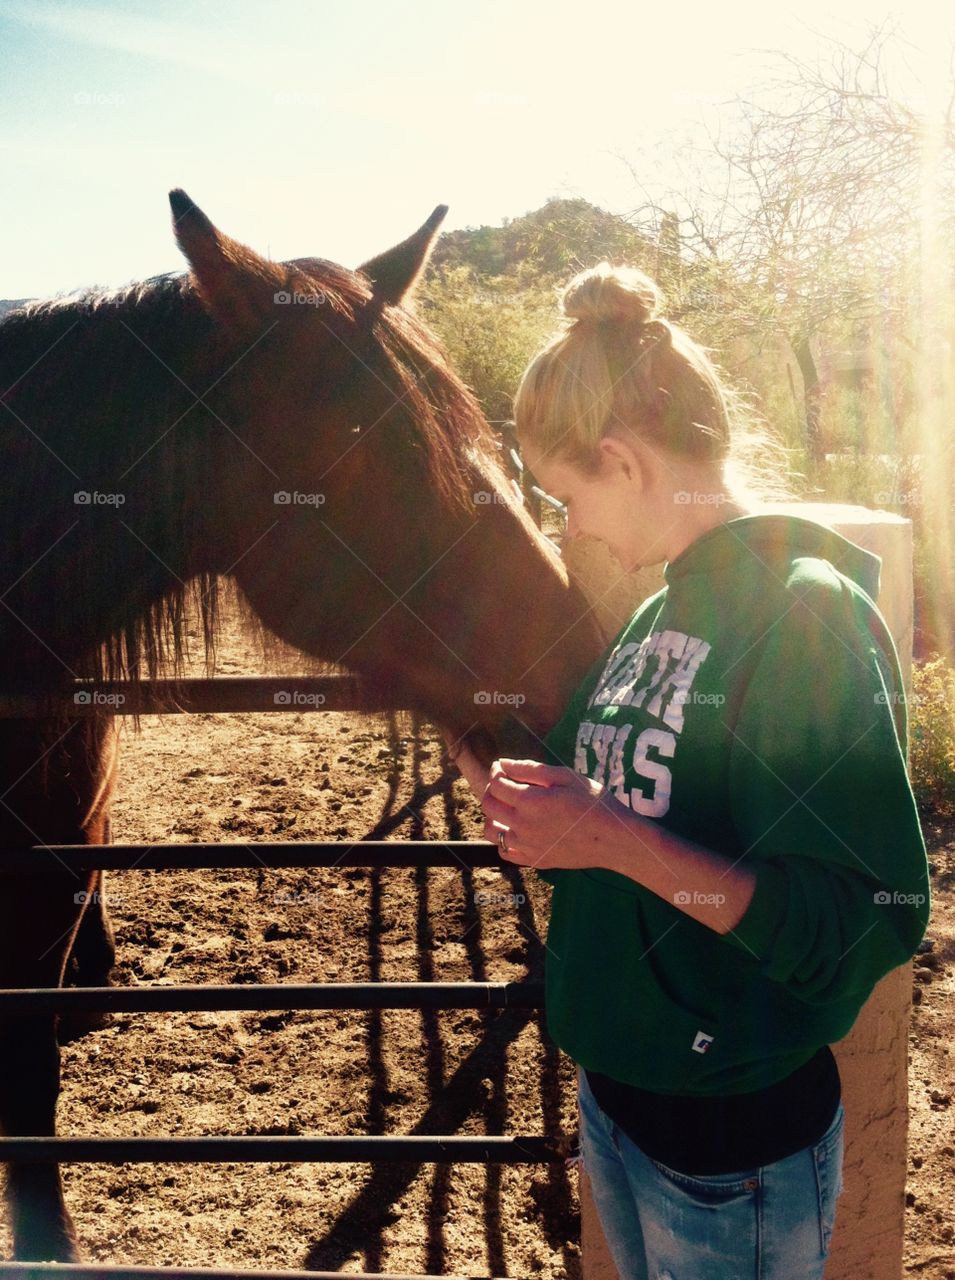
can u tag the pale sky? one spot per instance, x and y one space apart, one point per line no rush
331 128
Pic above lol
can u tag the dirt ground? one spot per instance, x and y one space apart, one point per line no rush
930 1205
348 777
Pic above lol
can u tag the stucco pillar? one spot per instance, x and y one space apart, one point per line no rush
873 1058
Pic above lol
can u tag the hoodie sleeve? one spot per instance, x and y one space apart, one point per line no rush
821 801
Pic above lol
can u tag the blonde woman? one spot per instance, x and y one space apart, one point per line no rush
725 818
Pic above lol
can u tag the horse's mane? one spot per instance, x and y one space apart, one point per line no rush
133 347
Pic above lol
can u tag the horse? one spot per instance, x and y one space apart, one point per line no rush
291 426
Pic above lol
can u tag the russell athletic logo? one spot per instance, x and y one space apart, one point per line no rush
701 1042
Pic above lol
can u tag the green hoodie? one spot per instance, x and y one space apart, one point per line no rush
754 706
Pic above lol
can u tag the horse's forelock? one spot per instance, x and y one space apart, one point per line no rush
343 291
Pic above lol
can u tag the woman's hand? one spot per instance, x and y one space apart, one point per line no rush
554 817
551 816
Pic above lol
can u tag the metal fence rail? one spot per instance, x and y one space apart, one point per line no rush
255 1149
314 995
288 694
42 859
105 1271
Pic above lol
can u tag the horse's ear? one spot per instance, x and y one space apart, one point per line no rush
236 285
395 272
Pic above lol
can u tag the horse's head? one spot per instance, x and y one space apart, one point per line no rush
368 520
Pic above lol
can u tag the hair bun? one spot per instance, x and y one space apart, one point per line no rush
618 294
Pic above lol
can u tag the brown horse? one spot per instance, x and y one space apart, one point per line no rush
288 425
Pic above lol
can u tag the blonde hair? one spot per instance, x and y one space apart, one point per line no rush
615 363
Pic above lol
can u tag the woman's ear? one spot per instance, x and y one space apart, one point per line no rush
621 457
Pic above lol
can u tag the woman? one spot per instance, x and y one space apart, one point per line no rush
726 820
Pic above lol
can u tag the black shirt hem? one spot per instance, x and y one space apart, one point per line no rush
706 1135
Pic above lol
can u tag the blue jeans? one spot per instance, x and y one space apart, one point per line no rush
769 1223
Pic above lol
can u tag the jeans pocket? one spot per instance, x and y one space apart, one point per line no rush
715 1188
827 1161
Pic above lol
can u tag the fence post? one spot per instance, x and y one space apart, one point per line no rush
873 1058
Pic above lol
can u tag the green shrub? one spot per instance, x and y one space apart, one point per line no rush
932 735
490 328
884 481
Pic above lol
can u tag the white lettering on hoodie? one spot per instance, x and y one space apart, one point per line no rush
627 680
